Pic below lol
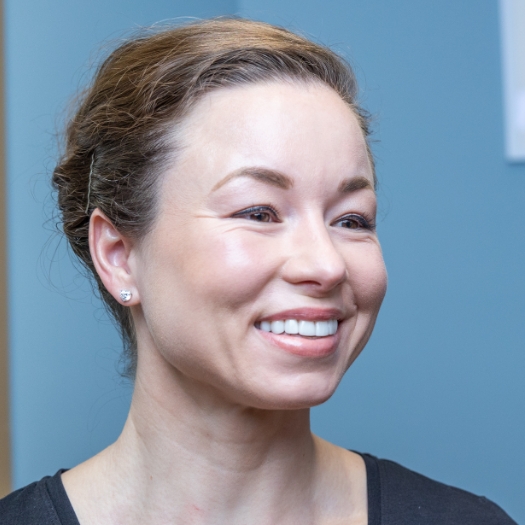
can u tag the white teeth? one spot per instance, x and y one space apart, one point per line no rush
277 327
306 328
322 328
266 326
291 326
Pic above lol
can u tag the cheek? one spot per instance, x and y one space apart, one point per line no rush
223 269
369 278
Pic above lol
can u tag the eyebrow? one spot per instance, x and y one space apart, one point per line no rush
354 184
266 175
275 178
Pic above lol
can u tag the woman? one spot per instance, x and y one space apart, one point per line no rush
218 184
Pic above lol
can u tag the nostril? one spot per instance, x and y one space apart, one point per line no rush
314 261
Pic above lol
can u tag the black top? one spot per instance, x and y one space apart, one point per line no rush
44 502
396 496
399 496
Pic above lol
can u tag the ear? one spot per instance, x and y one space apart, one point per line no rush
110 252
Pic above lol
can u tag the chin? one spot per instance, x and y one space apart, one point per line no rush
307 394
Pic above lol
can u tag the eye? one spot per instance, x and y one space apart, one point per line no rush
354 221
258 214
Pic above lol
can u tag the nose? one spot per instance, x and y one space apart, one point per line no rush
314 260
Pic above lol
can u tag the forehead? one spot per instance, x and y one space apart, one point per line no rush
292 127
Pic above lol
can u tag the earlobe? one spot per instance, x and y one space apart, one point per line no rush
110 252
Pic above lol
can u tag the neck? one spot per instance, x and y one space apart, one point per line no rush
200 431
188 455
191 451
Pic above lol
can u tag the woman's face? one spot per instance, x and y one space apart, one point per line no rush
265 223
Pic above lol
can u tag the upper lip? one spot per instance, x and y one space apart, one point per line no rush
305 314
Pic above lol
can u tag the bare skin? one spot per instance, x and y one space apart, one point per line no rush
168 471
218 430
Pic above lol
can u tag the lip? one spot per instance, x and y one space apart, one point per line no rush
305 314
311 347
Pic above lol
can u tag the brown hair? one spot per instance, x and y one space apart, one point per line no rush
118 143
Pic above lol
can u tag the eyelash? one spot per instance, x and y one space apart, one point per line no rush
259 210
363 223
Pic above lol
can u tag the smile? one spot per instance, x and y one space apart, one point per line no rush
300 327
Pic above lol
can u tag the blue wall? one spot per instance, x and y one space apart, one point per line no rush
67 399
440 387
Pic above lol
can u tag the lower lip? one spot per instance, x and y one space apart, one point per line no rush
314 347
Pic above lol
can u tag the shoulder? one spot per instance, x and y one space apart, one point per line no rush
406 497
30 504
43 502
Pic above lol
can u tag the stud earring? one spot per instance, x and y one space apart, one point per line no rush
125 295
